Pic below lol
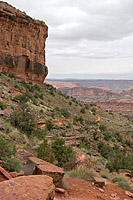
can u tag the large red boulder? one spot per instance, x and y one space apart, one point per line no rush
27 188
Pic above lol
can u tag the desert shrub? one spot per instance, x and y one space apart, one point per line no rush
118 137
57 108
129 143
65 113
44 152
7 155
89 122
41 97
8 128
122 182
21 98
12 164
83 173
82 110
70 103
49 125
85 142
107 136
2 105
36 87
62 152
105 175
39 133
36 95
104 149
93 110
92 104
6 148
79 119
102 128
119 160
124 185
86 106
63 134
95 136
118 179
24 121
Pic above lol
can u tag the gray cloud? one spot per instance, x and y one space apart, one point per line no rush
87 29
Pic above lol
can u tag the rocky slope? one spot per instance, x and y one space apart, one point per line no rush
22 44
30 112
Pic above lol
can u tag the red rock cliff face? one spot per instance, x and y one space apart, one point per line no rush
22 44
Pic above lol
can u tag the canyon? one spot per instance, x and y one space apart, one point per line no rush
120 101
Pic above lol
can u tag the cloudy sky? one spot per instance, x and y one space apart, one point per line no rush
85 36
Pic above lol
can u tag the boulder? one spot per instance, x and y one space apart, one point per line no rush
27 188
99 181
22 47
42 167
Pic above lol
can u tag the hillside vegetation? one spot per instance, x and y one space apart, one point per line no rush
40 120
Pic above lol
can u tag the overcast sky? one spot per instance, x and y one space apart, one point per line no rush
85 36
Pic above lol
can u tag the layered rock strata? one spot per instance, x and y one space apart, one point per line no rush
22 44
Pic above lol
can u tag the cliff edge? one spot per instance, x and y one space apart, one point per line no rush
22 44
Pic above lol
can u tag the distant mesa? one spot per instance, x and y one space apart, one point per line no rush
22 46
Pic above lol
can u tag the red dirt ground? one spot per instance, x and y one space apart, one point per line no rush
79 189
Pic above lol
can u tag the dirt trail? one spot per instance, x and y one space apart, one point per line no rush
79 189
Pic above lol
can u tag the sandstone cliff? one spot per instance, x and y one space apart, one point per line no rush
88 91
22 44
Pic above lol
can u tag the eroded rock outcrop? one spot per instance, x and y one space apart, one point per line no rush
27 188
42 167
88 91
22 44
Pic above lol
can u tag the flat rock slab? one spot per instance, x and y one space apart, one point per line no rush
42 167
5 173
38 187
46 165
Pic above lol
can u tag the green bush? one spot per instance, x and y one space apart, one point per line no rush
62 152
44 152
122 182
82 110
49 125
79 119
21 98
2 105
104 149
7 155
70 103
6 148
119 160
93 110
102 128
107 136
65 113
12 164
95 136
83 173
